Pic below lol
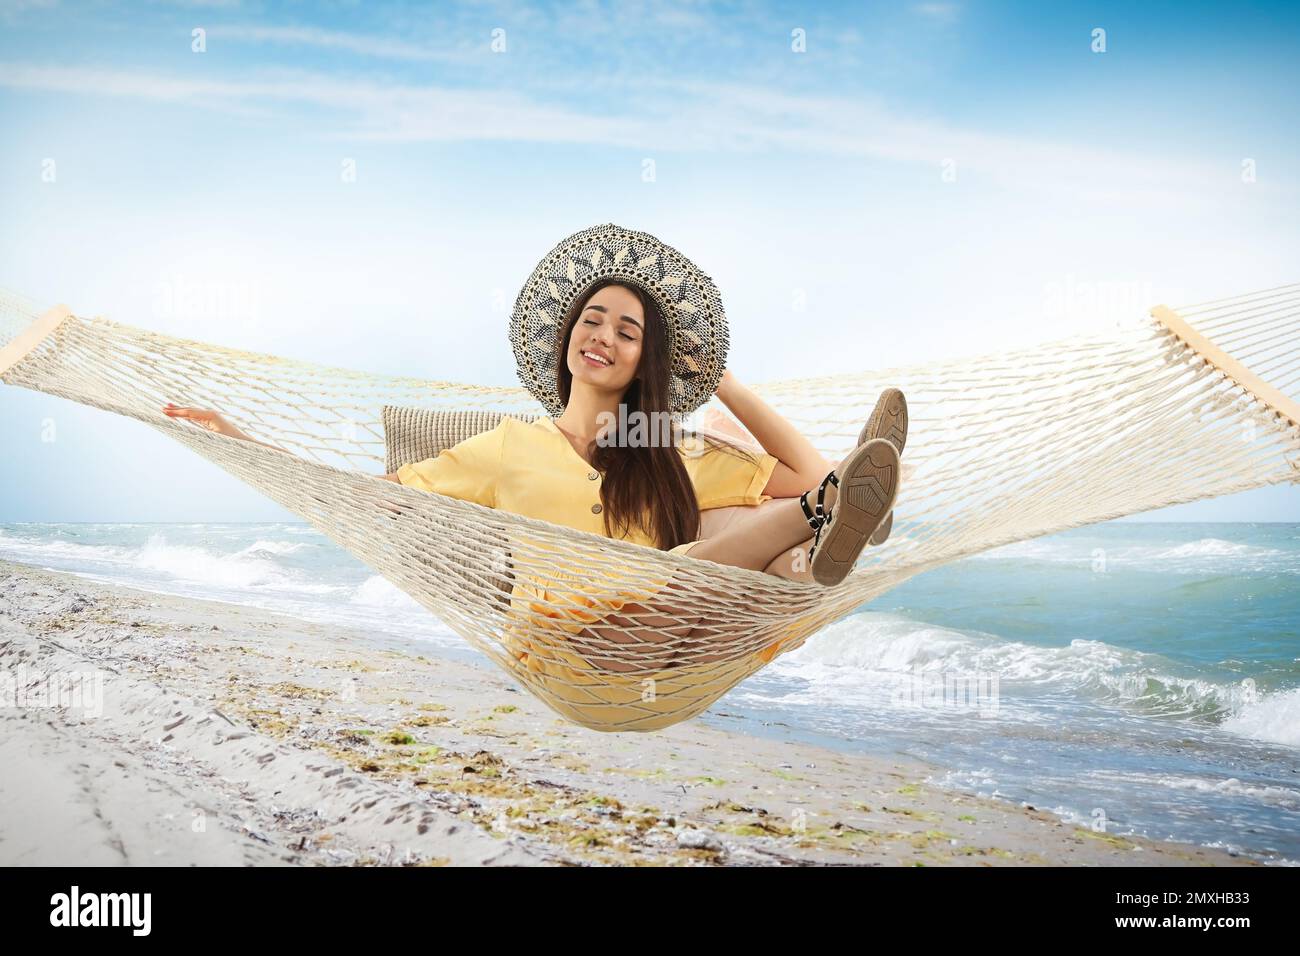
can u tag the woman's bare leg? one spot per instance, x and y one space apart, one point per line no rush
793 561
754 540
792 564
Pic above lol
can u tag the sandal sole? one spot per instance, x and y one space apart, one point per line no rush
888 420
881 534
866 494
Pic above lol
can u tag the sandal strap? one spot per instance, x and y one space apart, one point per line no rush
817 539
814 518
821 494
817 517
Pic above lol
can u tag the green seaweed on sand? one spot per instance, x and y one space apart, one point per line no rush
1115 841
757 828
658 773
350 735
299 692
354 665
923 815
424 720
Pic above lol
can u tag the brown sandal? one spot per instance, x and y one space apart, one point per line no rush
866 495
888 420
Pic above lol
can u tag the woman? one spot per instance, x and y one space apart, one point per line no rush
618 358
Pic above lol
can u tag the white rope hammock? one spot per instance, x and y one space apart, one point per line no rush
1170 408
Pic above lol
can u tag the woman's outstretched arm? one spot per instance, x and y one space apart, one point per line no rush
216 422
800 466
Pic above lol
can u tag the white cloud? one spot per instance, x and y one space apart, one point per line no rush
375 46
668 115
11 10
940 12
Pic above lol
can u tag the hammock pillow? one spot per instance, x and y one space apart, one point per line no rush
414 434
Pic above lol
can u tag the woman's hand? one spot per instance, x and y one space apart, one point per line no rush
204 418
214 422
718 421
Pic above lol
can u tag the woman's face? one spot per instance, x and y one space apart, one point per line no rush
605 347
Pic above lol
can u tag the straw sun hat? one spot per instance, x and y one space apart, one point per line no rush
688 299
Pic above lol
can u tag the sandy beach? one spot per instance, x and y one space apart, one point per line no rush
208 733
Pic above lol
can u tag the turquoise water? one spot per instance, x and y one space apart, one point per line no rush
1144 676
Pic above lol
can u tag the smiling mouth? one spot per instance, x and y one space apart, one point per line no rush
597 360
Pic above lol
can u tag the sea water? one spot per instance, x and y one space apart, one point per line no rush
1136 678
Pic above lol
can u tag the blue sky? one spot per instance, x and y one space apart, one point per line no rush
482 133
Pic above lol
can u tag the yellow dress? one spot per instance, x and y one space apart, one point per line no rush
530 468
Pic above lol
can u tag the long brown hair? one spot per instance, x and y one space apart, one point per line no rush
645 486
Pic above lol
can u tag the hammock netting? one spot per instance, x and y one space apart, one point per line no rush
1172 407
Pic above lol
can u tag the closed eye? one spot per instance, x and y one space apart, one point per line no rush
630 338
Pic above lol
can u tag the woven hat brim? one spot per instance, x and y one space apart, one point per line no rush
696 322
